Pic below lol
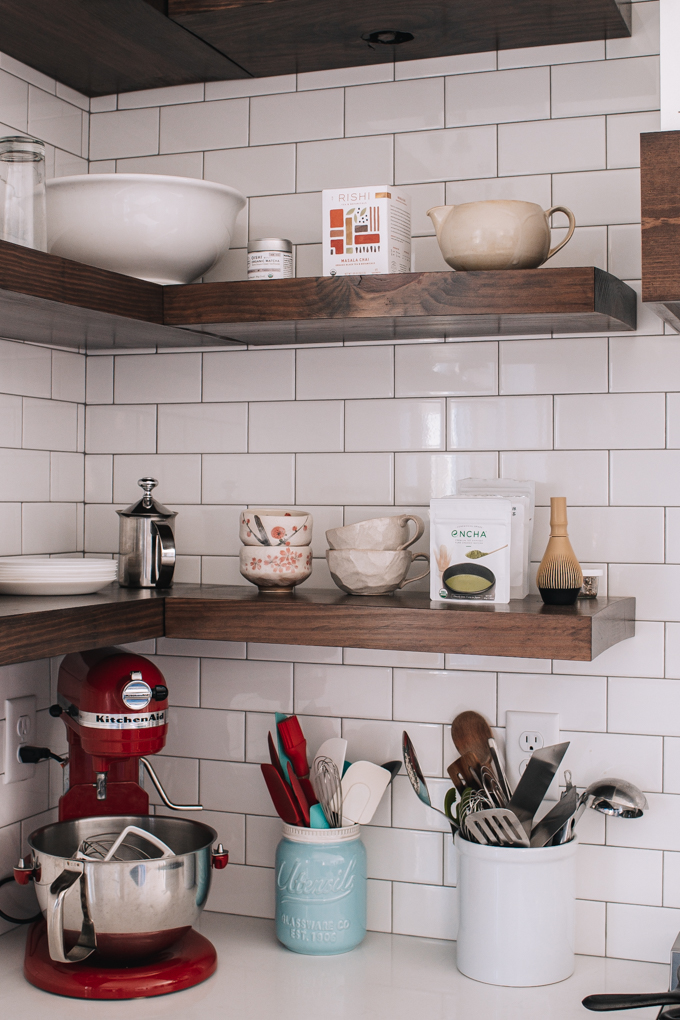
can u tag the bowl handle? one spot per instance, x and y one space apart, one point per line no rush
420 528
572 224
418 577
87 940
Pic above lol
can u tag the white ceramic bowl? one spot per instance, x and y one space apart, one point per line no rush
280 568
281 527
53 587
373 571
157 228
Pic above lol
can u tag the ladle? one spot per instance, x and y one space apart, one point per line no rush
615 797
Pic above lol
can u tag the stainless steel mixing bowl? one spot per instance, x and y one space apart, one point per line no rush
125 909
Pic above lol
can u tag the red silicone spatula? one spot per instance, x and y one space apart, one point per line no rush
281 795
299 794
274 756
295 746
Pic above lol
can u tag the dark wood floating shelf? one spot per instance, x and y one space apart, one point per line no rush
33 628
50 300
660 185
104 46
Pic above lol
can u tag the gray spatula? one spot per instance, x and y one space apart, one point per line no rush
535 781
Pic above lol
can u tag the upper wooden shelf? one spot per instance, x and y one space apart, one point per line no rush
105 46
660 185
33 628
50 300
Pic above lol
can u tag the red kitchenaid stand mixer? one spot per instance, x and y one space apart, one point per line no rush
114 704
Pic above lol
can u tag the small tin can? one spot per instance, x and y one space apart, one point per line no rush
270 258
320 890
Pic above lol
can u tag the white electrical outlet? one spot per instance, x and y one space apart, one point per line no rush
19 729
526 732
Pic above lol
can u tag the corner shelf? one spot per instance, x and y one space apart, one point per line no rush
50 300
33 628
659 179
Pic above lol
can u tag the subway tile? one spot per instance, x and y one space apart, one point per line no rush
433 370
587 247
612 86
249 87
551 146
197 126
395 424
419 477
221 570
73 97
66 164
98 478
308 260
438 695
124 133
581 702
11 409
337 77
610 420
101 527
26 678
244 890
641 933
671 879
533 188
249 375
671 764
657 829
624 254
337 478
153 378
645 478
401 854
457 63
644 706
179 476
187 569
234 786
25 474
601 196
203 530
202 428
641 655
248 478
580 475
182 675
21 800
169 96
561 53
423 197
10 529
295 217
25 369
378 906
296 653
497 663
623 137
68 376
205 733
67 477
54 121
426 256
121 428
498 96
387 657
673 431
591 927
99 380
344 163
644 36
338 372
492 423
409 812
672 535
437 155
300 425
648 323
619 874
231 266
296 117
262 837
203 649
360 691
578 365
48 527
654 586
593 755
378 740
430 911
256 170
246 685
13 101
414 105
180 164
27 73
607 533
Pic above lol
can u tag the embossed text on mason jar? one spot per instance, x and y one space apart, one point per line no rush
294 879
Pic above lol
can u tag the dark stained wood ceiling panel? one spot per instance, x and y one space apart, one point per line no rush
269 37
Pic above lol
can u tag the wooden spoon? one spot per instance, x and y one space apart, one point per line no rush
471 732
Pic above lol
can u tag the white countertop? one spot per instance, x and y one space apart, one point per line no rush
388 977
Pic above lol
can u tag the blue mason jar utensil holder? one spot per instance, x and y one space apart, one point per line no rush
320 890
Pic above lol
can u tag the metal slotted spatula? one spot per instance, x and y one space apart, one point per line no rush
496 827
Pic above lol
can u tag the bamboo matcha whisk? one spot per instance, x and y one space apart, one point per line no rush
559 576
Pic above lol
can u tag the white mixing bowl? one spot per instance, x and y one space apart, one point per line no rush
162 229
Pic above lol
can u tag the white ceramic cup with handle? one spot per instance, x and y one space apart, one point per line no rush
373 571
389 533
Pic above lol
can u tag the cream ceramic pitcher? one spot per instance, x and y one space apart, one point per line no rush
497 234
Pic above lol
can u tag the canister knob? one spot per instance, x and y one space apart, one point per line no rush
148 484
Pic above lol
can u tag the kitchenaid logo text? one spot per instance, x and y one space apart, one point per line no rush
469 533
103 721
295 880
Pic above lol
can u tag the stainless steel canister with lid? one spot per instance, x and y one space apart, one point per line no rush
270 258
147 542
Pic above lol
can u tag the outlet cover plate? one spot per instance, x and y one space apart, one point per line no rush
518 725
20 728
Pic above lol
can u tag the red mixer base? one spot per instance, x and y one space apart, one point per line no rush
191 960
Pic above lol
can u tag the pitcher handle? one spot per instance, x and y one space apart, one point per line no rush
420 528
572 224
418 577
87 940
165 555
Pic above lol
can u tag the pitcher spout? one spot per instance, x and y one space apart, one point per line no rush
438 215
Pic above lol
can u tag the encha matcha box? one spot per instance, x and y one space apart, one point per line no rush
366 231
470 540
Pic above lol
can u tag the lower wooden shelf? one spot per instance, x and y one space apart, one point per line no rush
33 628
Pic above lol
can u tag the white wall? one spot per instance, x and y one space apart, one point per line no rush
352 430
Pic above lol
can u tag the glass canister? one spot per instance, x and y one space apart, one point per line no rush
22 191
320 890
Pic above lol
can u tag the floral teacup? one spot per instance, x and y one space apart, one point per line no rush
275 527
277 569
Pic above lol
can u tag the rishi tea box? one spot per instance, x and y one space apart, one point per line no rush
366 231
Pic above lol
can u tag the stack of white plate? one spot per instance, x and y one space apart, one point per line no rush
35 575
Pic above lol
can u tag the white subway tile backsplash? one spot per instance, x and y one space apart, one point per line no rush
610 420
297 653
591 928
412 105
151 378
395 424
54 121
359 691
98 478
296 117
246 685
534 188
435 370
593 755
10 529
202 428
671 880
644 36
233 89
624 255
671 764
430 911
378 740
551 146
295 217
607 533
645 477
439 696
234 786
203 529
25 369
642 655
249 375
577 365
562 53
67 478
623 137
457 63
121 428
219 125
498 96
643 706
656 829
641 933
506 423
11 420
403 854
124 133
654 585
581 702
180 164
388 657
205 733
101 527
587 247
344 163
13 101
420 477
580 476
336 77
99 380
440 155
618 874
426 256
344 477
613 86
602 196
25 474
337 372
169 96
248 478
68 376
179 476
300 425
255 170
48 527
